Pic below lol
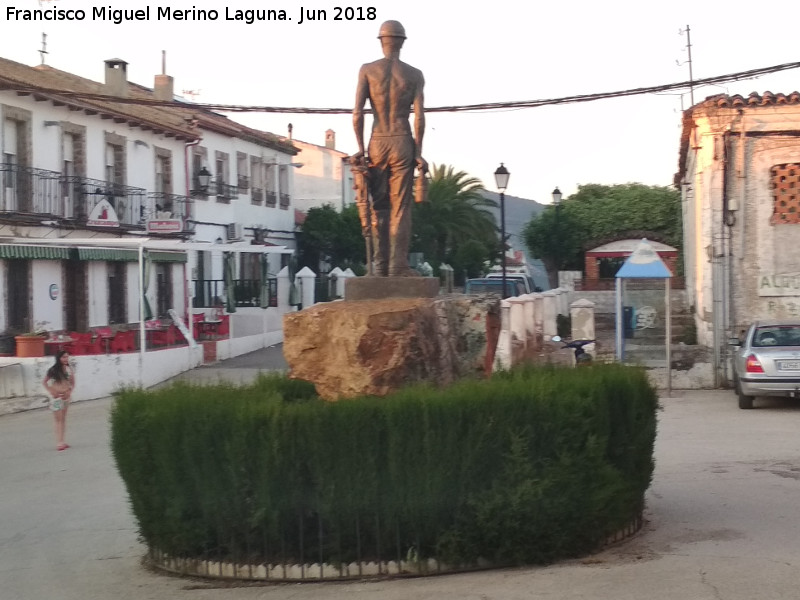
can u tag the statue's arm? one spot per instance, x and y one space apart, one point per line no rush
362 93
419 119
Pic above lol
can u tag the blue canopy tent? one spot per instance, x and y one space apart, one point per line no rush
644 263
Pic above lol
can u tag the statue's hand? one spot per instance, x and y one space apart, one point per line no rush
358 159
422 165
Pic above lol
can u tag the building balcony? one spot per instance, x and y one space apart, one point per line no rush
50 193
178 207
129 203
225 192
285 201
256 195
29 190
244 183
271 198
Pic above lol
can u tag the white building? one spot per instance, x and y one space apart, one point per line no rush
739 174
325 177
90 168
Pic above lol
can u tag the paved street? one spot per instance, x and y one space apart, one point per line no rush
721 518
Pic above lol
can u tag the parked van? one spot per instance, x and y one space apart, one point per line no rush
525 280
492 285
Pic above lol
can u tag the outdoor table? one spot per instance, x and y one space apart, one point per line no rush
210 326
151 329
54 345
106 337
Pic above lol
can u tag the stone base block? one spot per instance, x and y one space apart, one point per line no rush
380 288
374 347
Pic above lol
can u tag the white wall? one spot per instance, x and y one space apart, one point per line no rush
179 288
216 215
132 295
47 314
322 179
98 293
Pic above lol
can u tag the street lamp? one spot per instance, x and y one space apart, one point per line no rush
501 176
204 178
557 202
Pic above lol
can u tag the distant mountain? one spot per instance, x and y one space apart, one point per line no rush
518 212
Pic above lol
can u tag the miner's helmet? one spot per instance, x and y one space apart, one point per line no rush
392 29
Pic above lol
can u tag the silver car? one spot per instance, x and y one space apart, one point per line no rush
767 361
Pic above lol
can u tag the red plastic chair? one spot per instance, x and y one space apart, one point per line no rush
123 341
81 343
165 338
224 328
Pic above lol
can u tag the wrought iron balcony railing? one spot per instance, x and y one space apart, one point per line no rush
225 191
244 183
29 190
285 200
130 203
256 195
178 207
271 199
39 191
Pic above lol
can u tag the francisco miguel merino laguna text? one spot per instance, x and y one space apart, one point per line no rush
167 13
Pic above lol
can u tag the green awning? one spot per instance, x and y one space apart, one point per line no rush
161 256
34 252
109 254
112 254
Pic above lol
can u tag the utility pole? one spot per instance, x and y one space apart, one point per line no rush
689 61
43 51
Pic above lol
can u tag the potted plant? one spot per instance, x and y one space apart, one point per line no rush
31 343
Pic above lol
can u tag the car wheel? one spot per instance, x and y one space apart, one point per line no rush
745 402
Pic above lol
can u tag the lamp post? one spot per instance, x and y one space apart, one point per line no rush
557 202
501 176
204 179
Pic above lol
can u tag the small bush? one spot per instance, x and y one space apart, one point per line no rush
529 466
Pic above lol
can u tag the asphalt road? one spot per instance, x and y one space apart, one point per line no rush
721 520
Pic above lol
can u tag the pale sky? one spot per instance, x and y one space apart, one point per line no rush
469 53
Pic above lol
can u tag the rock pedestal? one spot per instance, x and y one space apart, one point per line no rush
374 347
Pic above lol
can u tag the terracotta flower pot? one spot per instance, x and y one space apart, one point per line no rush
30 345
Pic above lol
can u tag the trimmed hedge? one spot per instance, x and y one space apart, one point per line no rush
529 466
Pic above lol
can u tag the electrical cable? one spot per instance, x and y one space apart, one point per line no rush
89 96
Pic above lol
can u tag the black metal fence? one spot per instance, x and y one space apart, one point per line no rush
209 293
325 288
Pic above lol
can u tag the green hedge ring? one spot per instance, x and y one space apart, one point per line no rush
267 481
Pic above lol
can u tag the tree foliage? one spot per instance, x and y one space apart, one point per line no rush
560 235
455 225
331 236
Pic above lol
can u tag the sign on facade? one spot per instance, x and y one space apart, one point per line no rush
779 284
164 225
103 215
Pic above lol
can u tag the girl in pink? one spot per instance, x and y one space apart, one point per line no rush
59 383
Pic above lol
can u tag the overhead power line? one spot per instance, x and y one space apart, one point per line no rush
752 73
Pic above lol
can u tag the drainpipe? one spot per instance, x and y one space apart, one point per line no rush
142 339
187 303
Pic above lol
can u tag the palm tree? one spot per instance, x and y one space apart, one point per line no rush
455 214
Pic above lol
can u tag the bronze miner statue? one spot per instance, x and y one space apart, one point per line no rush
385 172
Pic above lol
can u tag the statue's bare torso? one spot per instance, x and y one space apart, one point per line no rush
391 86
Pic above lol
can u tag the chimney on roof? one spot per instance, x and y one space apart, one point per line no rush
330 139
290 130
116 78
164 87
